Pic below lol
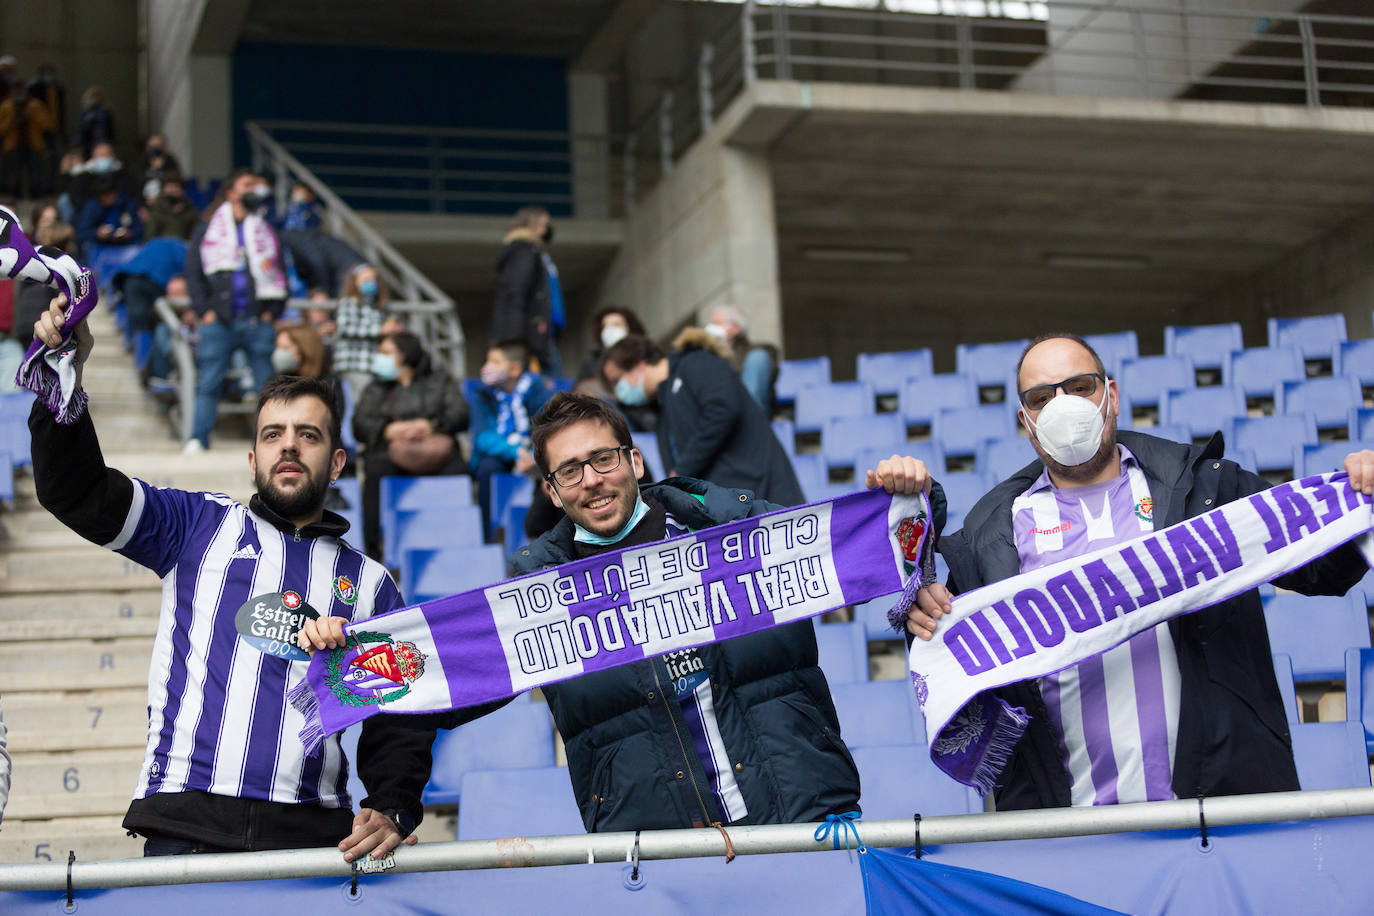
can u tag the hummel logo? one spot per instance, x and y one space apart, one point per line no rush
246 552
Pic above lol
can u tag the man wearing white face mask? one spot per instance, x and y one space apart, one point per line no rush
510 397
757 365
1188 709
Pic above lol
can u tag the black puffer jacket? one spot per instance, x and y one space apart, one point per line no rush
631 763
434 396
1233 735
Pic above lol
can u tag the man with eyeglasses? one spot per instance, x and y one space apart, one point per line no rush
738 732
1188 709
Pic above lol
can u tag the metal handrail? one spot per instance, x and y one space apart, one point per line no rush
591 848
441 328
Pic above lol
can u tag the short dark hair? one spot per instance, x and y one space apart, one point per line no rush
291 387
562 411
630 352
513 349
412 350
1059 335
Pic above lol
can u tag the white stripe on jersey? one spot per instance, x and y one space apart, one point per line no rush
245 672
1123 718
1049 534
726 787
211 571
157 686
131 520
1071 719
1097 527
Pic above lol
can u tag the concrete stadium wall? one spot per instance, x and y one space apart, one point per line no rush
90 42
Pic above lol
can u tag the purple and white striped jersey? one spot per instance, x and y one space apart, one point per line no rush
1115 714
218 719
692 683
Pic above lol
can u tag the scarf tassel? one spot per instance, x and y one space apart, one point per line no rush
308 705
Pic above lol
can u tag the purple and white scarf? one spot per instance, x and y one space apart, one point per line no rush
260 254
1054 617
49 372
620 607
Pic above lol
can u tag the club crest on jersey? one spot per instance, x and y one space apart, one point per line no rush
290 600
1145 509
373 669
345 590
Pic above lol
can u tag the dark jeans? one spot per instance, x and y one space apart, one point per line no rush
215 348
376 465
175 846
140 293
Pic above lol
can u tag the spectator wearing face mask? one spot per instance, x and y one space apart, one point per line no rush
606 328
301 213
157 163
529 298
757 364
299 350
406 423
171 214
510 396
108 218
159 367
363 297
96 124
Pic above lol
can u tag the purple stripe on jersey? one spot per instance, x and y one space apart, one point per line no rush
269 700
1097 729
187 578
1154 725
223 648
696 724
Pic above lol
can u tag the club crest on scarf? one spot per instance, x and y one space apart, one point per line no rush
373 669
910 533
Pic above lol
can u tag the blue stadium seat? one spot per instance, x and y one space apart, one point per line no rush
505 490
1256 371
1000 458
647 443
518 735
843 649
787 435
1204 410
1244 457
819 403
514 524
960 430
1206 344
1283 673
1174 432
925 450
1359 692
352 493
844 437
1361 423
434 572
1146 378
1329 399
519 802
796 374
1314 336
901 780
1354 358
962 490
454 526
1272 439
921 398
878 712
988 363
350 442
15 439
873 615
6 478
1315 631
401 493
886 371
1113 348
812 474
15 405
1330 755
1324 457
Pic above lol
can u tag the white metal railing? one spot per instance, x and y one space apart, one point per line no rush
429 312
526 852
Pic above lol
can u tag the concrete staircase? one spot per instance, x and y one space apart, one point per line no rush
76 631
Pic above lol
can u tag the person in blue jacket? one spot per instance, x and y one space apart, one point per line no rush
507 401
108 218
145 277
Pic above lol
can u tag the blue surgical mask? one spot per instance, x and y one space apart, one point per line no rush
368 289
601 540
630 394
102 164
384 366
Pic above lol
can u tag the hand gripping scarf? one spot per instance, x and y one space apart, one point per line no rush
48 372
620 607
1053 618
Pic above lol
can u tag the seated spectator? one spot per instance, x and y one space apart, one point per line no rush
406 422
757 365
607 327
159 368
44 215
157 163
300 212
24 124
143 280
31 299
171 214
508 400
320 318
300 350
109 218
359 318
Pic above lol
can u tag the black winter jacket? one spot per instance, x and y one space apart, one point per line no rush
215 292
522 310
434 396
624 729
1233 736
710 428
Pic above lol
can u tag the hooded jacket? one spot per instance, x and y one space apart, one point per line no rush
522 310
1233 735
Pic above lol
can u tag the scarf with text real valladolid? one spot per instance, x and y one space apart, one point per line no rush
620 607
1052 618
49 372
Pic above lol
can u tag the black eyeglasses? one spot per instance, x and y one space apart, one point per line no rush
603 462
1080 386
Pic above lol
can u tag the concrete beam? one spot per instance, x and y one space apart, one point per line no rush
607 43
221 24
